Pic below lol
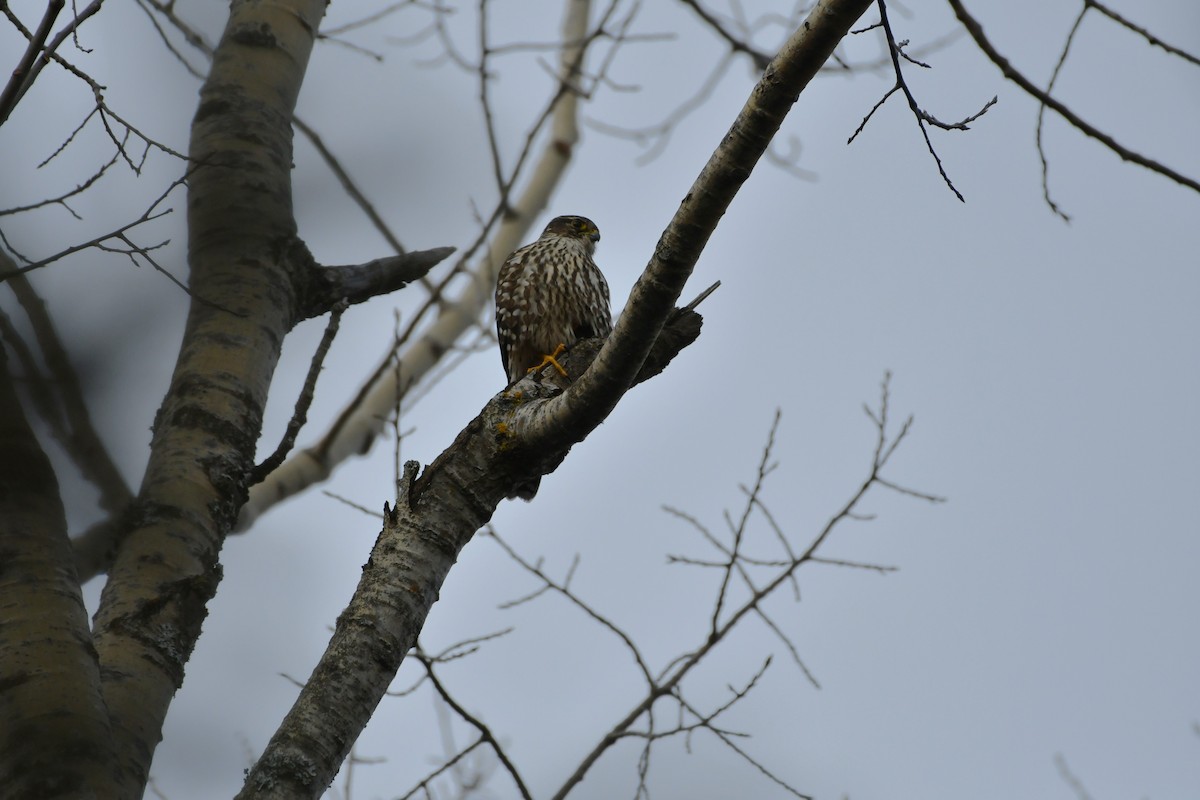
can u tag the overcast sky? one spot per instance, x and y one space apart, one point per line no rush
1053 369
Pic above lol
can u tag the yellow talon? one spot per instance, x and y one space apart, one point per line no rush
552 358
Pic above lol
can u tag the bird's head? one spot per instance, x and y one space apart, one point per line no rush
573 227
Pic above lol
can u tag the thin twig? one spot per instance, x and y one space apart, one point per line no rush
1081 792
549 584
304 401
896 51
671 677
760 58
764 469
1147 35
485 733
1041 115
119 234
727 740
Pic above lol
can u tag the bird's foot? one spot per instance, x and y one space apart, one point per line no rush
552 358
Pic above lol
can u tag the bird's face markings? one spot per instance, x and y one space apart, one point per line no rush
574 226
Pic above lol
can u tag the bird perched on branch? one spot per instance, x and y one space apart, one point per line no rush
550 294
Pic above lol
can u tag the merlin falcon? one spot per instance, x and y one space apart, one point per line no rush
550 294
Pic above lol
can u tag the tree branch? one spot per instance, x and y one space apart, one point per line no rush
434 518
307 392
21 73
485 733
1140 31
539 427
59 399
55 732
736 45
356 283
670 680
74 428
976 32
896 53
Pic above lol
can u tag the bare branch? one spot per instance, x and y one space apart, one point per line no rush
1140 31
450 763
1005 66
726 740
896 51
564 589
357 283
485 733
370 19
119 234
349 185
764 469
62 198
307 392
736 45
1081 792
149 7
838 562
1058 66
48 50
672 676
15 88
485 104
1041 115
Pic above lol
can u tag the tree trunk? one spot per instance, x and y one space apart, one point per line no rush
243 304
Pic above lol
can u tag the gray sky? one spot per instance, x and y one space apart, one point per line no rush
1053 370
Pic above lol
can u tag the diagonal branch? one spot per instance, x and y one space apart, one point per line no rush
21 73
736 45
572 416
75 430
976 32
1140 31
303 402
48 49
485 733
565 590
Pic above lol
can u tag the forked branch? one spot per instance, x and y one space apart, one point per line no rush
975 29
896 53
